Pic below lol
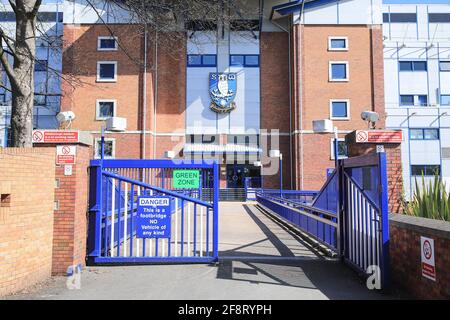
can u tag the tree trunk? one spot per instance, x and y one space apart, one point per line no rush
23 87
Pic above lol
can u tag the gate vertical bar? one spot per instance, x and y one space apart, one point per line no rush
95 210
384 217
216 211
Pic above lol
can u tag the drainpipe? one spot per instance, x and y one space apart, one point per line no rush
156 95
144 107
301 95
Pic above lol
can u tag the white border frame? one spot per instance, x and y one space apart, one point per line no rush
330 78
332 149
348 109
330 38
97 140
107 38
98 71
97 108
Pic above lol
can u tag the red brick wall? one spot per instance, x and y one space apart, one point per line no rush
26 225
405 251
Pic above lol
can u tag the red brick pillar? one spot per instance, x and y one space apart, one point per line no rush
71 207
361 142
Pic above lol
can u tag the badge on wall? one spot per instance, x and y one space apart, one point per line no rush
222 89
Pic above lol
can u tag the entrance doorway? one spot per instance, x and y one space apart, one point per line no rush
236 174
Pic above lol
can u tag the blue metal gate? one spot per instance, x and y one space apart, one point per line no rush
115 186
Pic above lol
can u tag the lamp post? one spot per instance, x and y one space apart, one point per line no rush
336 147
278 154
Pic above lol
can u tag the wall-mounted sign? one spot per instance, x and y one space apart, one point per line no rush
153 217
222 89
378 136
186 179
66 154
55 136
428 261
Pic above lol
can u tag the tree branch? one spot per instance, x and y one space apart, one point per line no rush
13 5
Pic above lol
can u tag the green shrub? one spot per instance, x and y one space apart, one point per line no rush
431 201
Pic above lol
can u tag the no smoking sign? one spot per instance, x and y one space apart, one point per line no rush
66 154
428 260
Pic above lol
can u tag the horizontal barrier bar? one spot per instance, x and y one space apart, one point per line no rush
106 260
150 164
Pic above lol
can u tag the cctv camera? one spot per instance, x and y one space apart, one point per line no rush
65 116
370 116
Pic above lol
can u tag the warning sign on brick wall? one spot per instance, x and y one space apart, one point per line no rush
66 154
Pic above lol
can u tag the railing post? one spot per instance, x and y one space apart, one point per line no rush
340 208
384 216
95 209
216 212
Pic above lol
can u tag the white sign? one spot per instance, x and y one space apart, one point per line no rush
68 170
65 154
428 263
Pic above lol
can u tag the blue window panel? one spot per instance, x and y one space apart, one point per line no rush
406 66
422 100
431 134
107 70
252 61
425 170
106 109
338 44
194 60
339 109
108 43
406 100
403 18
339 71
237 60
445 100
40 65
439 17
209 60
444 66
413 66
420 65
416 134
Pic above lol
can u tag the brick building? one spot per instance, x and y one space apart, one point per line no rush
285 65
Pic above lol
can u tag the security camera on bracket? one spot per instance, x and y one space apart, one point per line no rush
65 119
371 118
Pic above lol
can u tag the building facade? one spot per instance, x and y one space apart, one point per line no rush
48 67
417 87
286 64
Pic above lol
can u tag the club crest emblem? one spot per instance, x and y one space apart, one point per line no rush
222 89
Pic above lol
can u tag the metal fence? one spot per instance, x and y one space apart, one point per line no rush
115 188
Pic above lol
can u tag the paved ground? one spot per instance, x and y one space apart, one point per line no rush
260 260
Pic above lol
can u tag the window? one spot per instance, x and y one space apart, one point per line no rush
413 100
342 149
445 100
339 110
444 66
413 66
338 71
107 43
107 71
244 25
110 148
40 65
201 25
197 60
248 61
425 170
40 100
424 134
337 43
439 17
105 109
400 17
46 16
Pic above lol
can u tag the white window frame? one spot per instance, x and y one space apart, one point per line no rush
97 108
98 71
332 149
348 109
99 48
330 71
330 48
96 151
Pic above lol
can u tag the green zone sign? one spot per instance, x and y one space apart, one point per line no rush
186 179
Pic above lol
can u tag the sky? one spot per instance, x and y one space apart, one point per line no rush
417 1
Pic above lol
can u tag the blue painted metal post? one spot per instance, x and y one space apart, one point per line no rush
216 212
102 144
384 207
336 148
281 175
95 209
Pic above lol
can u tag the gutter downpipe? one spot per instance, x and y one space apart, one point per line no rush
156 95
302 16
144 107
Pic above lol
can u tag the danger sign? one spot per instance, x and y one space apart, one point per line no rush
428 261
65 154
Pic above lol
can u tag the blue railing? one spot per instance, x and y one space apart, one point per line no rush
319 224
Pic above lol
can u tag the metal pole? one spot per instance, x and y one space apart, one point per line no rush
281 175
336 147
102 144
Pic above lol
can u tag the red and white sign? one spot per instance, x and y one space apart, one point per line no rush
428 262
66 154
55 136
379 136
